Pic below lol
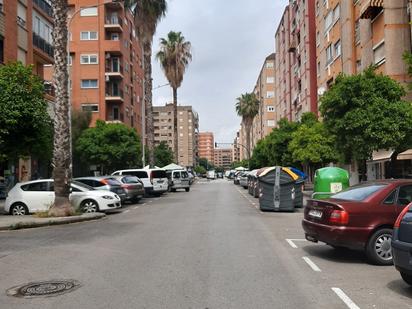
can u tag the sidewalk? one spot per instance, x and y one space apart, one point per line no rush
8 222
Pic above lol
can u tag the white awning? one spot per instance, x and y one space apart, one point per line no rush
381 156
406 155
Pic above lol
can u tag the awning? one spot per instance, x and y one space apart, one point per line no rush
371 9
406 155
381 156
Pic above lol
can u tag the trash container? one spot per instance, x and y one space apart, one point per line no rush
277 189
328 181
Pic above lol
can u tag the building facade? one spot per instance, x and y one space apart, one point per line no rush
236 148
264 90
296 81
206 146
188 127
223 158
105 60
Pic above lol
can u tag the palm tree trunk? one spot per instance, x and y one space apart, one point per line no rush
62 159
148 104
175 133
248 129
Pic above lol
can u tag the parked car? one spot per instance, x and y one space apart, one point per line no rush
402 244
211 175
38 195
104 183
178 179
133 187
236 178
243 179
360 217
154 180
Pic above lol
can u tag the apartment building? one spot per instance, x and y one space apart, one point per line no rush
223 158
236 148
106 64
187 127
264 90
206 146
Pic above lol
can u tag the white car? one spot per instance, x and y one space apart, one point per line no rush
38 195
154 180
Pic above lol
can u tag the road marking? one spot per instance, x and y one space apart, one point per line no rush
126 211
311 264
345 298
291 242
135 207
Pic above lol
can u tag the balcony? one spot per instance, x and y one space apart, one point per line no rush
44 6
41 44
113 22
113 93
113 69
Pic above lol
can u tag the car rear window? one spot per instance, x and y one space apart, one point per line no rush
159 174
112 182
130 179
185 175
82 185
140 174
358 193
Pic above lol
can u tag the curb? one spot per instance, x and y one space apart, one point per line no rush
52 221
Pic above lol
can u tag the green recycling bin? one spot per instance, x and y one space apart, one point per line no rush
328 181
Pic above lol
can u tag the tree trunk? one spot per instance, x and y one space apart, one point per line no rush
148 103
248 129
62 152
175 133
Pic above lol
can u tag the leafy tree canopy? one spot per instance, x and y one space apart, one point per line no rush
366 112
206 164
25 125
200 169
109 146
163 154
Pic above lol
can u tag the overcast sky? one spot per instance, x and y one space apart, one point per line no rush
230 40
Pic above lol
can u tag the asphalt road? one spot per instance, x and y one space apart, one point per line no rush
209 248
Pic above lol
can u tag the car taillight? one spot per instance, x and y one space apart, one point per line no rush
127 186
340 217
401 215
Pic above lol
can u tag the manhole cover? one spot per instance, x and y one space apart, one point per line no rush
44 288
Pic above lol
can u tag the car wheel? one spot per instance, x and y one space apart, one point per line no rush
407 278
378 249
19 209
89 206
187 189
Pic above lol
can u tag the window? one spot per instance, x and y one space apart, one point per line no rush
37 186
328 21
329 54
336 13
21 55
87 107
42 28
271 108
270 80
89 83
21 15
317 38
357 32
270 65
337 49
358 193
88 35
92 11
391 198
379 53
271 123
405 195
89 59
270 94
114 37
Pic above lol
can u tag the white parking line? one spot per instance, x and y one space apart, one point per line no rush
311 264
291 242
345 298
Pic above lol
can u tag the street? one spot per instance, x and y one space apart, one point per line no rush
209 248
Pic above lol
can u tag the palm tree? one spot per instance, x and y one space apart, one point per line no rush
147 14
174 57
62 157
247 107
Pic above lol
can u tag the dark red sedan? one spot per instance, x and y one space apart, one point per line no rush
361 218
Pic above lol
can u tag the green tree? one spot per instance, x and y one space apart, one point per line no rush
163 154
62 151
109 146
312 145
147 14
25 126
366 112
200 170
174 57
260 155
247 107
206 164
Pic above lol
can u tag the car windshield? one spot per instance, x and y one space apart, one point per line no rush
82 185
358 193
112 181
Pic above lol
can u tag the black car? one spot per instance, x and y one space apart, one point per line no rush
402 244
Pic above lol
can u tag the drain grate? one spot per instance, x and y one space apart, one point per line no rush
44 288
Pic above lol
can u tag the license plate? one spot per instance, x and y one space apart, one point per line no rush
315 213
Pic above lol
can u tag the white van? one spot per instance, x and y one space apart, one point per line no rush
178 179
154 180
211 175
